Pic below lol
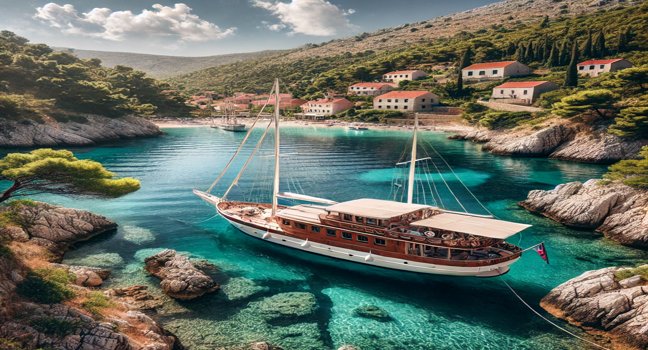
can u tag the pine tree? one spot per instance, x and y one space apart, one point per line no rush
599 49
571 76
587 46
465 62
554 57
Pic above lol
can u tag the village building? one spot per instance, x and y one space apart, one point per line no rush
595 67
286 101
326 106
521 92
406 101
369 89
400 75
494 70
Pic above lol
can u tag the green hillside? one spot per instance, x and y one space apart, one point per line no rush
37 82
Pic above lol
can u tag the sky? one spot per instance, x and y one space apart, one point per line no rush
210 27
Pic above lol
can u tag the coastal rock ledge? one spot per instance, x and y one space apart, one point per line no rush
616 210
605 300
77 131
181 279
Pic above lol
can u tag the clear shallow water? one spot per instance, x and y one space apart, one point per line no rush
428 312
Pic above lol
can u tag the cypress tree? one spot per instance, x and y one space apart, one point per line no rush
510 50
539 52
621 45
519 53
571 76
554 57
563 53
546 48
530 52
587 46
465 62
599 49
545 22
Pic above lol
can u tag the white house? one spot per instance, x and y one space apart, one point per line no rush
326 106
406 101
494 70
521 92
595 67
369 89
400 75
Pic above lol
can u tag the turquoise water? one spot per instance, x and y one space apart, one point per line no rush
428 312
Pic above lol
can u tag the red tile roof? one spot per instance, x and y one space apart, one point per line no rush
488 65
402 71
371 85
403 94
329 100
588 62
521 84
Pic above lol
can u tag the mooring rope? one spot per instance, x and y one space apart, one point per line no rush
548 320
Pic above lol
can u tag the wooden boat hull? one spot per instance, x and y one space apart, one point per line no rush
274 236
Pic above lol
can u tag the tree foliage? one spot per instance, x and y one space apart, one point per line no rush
632 122
59 172
632 172
597 101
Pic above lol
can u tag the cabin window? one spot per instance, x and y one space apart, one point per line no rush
494 71
359 219
315 229
591 67
581 67
286 222
524 92
301 226
379 241
363 239
481 72
347 217
602 66
371 221
346 235
470 73
330 232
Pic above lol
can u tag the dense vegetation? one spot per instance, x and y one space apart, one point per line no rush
47 286
632 172
37 81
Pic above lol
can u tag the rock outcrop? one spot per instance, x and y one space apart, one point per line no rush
52 227
600 301
616 210
180 278
561 140
78 131
86 276
136 297
373 312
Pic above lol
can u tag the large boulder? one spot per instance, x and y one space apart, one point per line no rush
616 210
605 300
180 278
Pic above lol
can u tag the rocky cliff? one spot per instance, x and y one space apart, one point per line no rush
609 300
77 131
557 139
32 236
616 210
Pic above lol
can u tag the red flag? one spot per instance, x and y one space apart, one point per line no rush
540 249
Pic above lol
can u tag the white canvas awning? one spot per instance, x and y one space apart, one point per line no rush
375 208
474 225
307 213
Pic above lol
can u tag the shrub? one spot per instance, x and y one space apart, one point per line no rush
632 172
54 326
47 286
95 302
626 273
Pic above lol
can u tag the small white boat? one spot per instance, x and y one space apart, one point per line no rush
357 127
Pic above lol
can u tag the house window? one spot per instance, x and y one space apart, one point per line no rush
423 106
286 222
395 107
481 72
346 235
404 107
494 71
363 239
301 226
470 73
406 99
379 241
396 100
581 67
347 217
330 232
591 67
602 66
315 229
389 100
401 75
524 92
380 100
502 92
388 107
379 107
422 100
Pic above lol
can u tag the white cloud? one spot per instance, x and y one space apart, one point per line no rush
175 22
310 17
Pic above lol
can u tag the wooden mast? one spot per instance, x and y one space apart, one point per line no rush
412 171
275 191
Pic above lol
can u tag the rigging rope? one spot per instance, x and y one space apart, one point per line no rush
548 320
240 146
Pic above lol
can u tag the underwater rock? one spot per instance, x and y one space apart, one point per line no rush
597 300
262 345
53 227
291 304
180 278
616 210
239 288
373 312
85 130
98 260
138 235
347 347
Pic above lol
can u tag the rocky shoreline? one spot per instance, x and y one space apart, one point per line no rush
556 139
612 301
617 211
83 130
